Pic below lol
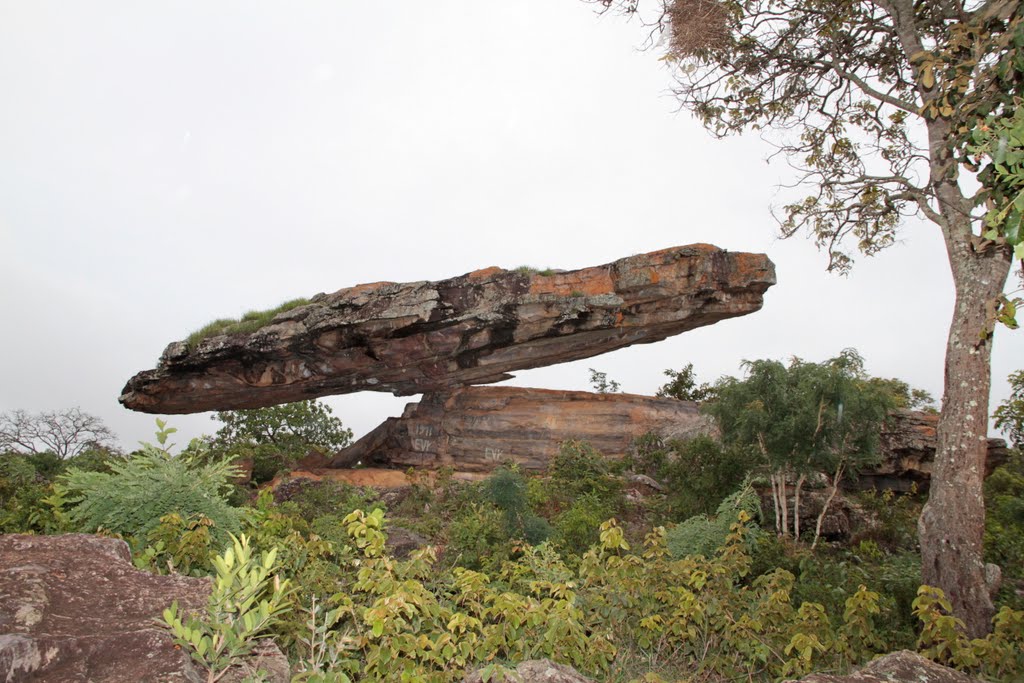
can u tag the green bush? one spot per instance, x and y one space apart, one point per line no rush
506 488
579 469
131 499
478 538
698 473
1004 526
703 535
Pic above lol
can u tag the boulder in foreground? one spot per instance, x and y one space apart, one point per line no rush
75 610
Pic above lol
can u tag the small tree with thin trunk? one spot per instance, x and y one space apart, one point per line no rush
803 418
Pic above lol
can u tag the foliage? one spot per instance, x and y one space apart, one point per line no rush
697 473
905 396
1009 416
132 498
1004 521
274 438
478 538
998 143
530 270
801 418
506 489
578 469
64 433
179 545
601 383
998 656
682 385
245 602
247 324
701 535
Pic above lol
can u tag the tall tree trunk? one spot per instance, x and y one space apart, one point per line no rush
953 521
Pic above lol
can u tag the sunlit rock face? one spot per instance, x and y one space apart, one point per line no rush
476 429
411 338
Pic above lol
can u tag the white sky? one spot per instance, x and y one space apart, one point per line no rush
163 164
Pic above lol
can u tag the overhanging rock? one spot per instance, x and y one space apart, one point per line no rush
435 336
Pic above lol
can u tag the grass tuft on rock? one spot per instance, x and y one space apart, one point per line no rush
248 323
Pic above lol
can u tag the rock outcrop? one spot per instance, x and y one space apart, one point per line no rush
75 610
475 429
898 667
435 336
908 451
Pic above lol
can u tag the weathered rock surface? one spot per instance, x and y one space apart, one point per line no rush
474 329
538 671
898 667
475 429
908 451
75 610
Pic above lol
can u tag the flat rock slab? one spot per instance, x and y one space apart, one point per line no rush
476 429
73 609
419 337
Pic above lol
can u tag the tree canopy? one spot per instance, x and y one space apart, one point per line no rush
802 418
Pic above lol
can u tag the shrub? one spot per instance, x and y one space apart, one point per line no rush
701 535
506 488
245 602
132 498
579 470
478 538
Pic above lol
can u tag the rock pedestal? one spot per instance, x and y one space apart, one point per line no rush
476 429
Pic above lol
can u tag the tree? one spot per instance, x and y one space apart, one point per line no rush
803 418
601 383
275 438
880 106
65 433
289 426
682 385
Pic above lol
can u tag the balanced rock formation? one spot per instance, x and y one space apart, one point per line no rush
475 429
435 336
75 610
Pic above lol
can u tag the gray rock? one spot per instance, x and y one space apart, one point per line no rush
898 667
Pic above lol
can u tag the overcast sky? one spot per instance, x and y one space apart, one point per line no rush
163 164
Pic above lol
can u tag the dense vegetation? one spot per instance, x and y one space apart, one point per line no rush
581 564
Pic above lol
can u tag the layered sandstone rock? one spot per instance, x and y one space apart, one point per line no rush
908 451
75 610
475 429
435 336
